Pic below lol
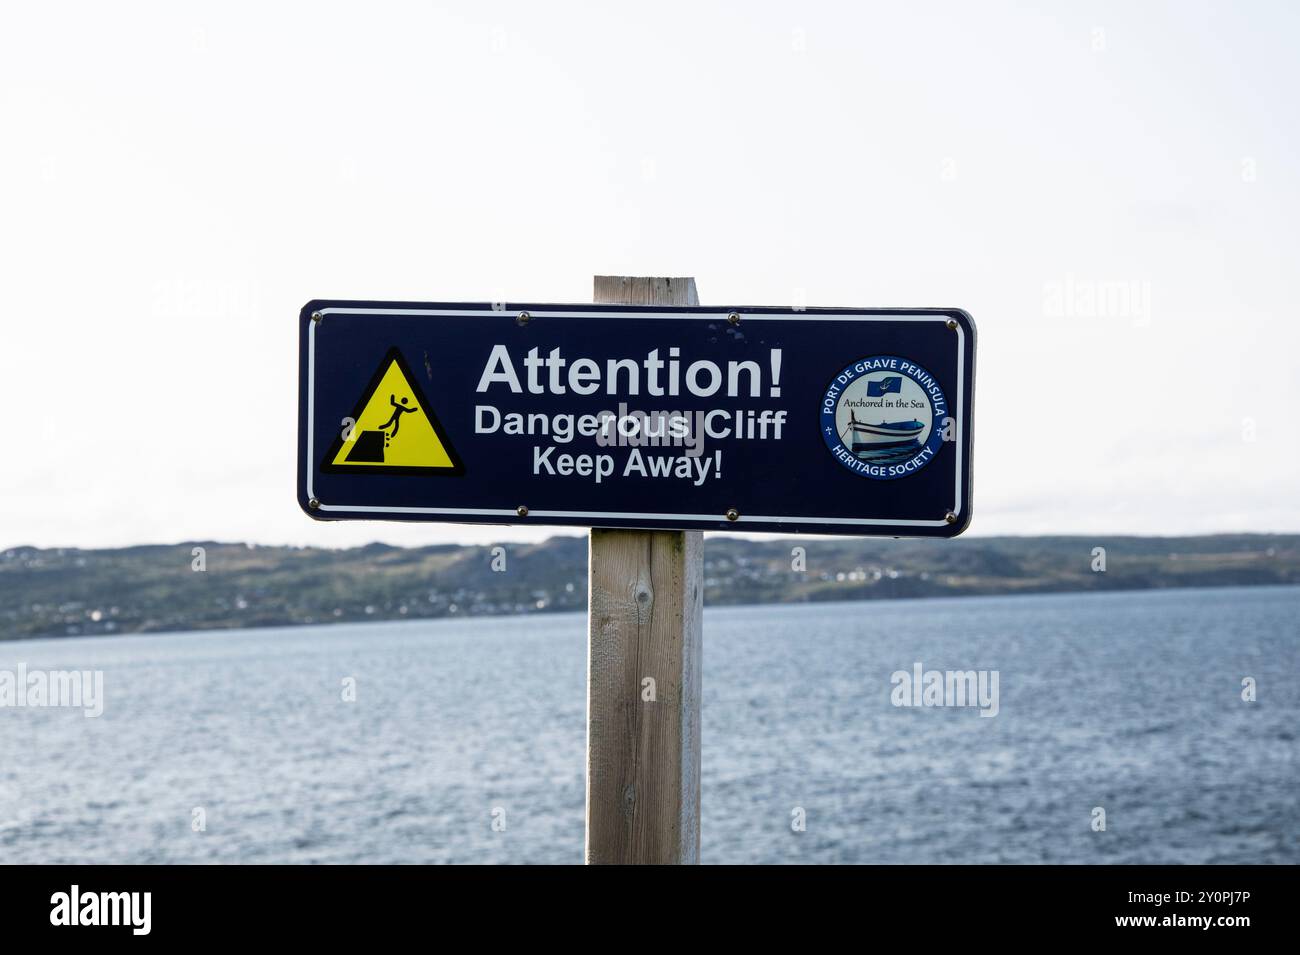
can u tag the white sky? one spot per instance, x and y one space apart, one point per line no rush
174 185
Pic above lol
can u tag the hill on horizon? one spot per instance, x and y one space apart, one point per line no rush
204 585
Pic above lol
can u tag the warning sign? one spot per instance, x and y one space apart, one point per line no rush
775 420
393 429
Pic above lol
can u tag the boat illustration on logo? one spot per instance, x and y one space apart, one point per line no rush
867 437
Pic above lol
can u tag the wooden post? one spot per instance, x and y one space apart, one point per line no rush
645 619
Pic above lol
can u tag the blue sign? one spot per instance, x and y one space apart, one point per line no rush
827 421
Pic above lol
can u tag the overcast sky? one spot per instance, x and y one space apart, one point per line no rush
1109 188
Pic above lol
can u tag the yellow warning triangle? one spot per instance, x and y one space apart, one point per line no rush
394 429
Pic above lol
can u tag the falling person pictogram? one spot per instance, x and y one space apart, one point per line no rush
396 419
370 446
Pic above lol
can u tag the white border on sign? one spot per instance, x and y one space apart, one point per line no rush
633 515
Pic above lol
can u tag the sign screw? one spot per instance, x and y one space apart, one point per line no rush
521 511
734 318
316 316
952 324
950 517
733 514
523 319
313 503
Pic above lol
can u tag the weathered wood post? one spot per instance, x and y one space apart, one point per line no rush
645 619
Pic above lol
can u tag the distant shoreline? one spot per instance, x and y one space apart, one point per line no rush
202 586
582 611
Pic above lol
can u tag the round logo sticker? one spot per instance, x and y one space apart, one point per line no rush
883 417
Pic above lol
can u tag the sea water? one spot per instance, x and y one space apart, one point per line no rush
463 740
